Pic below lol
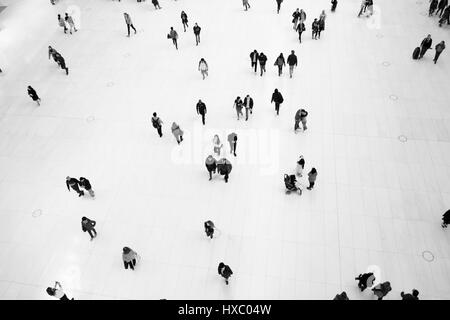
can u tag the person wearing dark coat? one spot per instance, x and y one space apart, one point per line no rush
254 57
84 183
445 16
300 28
74 184
174 36
62 63
295 18
197 30
232 140
365 280
32 93
225 271
292 62
238 105
382 289
279 5
57 292
425 45
156 4
201 109
88 225
441 7
446 219
315 29
184 20
224 168
211 165
248 104
300 115
439 48
209 228
409 296
433 7
262 62
157 124
342 296
280 62
321 26
333 5
278 99
312 176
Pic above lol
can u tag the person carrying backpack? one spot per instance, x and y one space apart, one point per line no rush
157 124
278 99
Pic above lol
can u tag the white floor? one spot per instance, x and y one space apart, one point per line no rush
378 202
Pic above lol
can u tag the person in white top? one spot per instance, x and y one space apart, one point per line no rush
203 67
58 293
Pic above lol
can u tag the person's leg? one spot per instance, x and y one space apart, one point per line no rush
210 175
91 193
246 114
160 131
125 264
90 233
226 177
234 148
304 124
203 119
279 71
133 28
277 107
296 126
300 36
291 70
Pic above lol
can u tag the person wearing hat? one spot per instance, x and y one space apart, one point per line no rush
211 165
129 258
74 184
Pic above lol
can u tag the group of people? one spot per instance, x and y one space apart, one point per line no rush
291 182
247 104
425 45
440 8
67 23
318 25
173 34
176 130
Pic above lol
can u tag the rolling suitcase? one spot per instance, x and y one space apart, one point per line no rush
416 53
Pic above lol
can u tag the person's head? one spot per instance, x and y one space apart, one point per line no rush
59 16
292 51
315 20
443 42
313 170
221 265
67 178
126 250
281 54
125 14
50 291
415 292
247 96
199 100
182 11
297 9
196 24
202 59
171 28
429 36
174 124
66 14
238 98
83 219
154 114
276 90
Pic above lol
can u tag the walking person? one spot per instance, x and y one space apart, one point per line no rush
300 29
262 62
278 99
62 63
321 25
232 140
300 115
254 57
410 296
156 4
209 228
157 124
177 132
248 103
441 7
439 48
203 67
382 289
246 4
365 280
279 5
197 30
302 16
433 7
315 29
446 219
292 62
296 18
369 5
129 258
62 23
445 17
300 167
75 185
334 4
174 36
280 62
32 93
323 16
184 20
211 166
224 168
217 145
84 183
57 292
312 176
342 296
129 23
69 21
225 271
88 225
238 105
363 7
201 109
425 45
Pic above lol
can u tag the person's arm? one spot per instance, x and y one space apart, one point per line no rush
67 184
197 107
57 284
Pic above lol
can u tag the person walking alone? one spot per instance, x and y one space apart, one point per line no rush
446 219
84 183
225 271
262 62
88 225
280 62
300 167
32 93
157 124
278 99
177 132
246 4
254 57
312 176
197 30
439 48
232 140
184 20
279 5
238 105
425 45
74 184
203 67
300 29
129 258
156 4
174 36
292 62
129 23
201 109
209 228
248 104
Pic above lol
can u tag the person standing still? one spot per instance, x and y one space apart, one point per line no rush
129 23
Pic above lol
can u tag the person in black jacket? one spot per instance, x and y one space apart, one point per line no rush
32 93
342 296
292 62
84 183
157 124
156 4
441 7
184 20
433 7
365 280
74 184
209 228
262 62
446 219
248 104
425 45
315 29
254 57
211 165
300 28
197 30
409 296
225 271
62 63
278 99
333 5
445 17
201 109
279 5
238 105
88 225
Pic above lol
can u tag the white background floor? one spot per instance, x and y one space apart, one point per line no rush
377 201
